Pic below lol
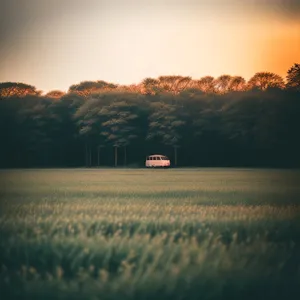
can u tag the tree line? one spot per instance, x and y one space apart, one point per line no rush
216 122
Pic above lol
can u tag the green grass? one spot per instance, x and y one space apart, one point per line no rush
150 234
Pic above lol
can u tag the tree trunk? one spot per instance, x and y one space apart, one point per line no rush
45 157
175 152
20 158
98 156
60 157
125 156
86 155
116 156
90 157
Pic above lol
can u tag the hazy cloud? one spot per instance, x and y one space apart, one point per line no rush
18 17
287 8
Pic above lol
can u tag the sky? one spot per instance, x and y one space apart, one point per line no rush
53 44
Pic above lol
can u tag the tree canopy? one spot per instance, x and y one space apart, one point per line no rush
223 121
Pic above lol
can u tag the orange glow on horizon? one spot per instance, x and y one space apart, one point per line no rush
125 44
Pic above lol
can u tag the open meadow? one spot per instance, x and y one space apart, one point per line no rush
149 234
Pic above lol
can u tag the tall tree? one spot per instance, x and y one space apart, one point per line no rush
66 141
204 84
86 88
293 77
165 124
118 122
237 84
55 94
222 84
174 84
10 132
239 118
265 80
150 86
36 128
9 89
89 124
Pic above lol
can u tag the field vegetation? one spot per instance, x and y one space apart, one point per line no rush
149 234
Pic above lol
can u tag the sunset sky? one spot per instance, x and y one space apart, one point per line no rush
55 43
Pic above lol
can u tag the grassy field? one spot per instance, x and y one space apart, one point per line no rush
149 234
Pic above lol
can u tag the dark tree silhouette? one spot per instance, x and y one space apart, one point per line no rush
237 84
9 89
86 88
293 77
205 84
165 124
55 94
206 122
118 125
265 80
222 84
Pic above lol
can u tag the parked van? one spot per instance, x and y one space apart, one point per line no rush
157 160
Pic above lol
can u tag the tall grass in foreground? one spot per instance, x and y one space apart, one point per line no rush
149 234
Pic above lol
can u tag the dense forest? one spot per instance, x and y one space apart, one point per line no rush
215 122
